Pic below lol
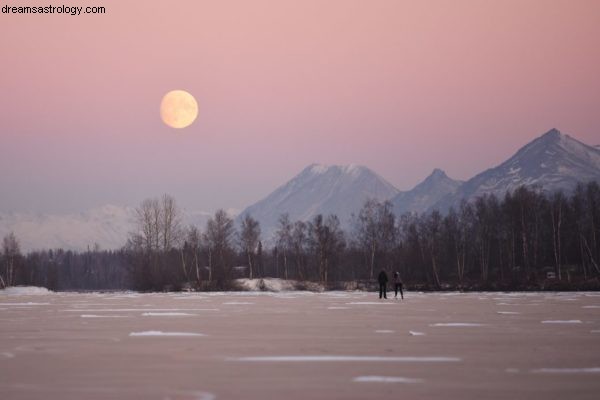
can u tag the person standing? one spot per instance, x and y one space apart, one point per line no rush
383 279
398 285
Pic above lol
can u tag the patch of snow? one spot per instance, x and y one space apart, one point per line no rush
590 307
160 333
7 354
415 333
513 170
457 324
386 379
166 314
25 291
594 370
101 316
344 359
192 395
508 312
29 303
352 170
141 309
568 321
318 169
266 284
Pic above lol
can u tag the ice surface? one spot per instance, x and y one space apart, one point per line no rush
385 331
158 366
386 379
457 324
160 333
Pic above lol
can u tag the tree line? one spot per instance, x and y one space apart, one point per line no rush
525 240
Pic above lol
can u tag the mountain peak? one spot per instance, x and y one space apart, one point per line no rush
425 194
438 173
552 134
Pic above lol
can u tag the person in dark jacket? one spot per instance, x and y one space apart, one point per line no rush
398 285
383 279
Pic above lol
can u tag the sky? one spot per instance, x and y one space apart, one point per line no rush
402 87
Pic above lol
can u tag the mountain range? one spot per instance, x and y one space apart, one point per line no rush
551 162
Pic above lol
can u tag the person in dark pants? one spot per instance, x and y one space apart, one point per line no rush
398 285
383 279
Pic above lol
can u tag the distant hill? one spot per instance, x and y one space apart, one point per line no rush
108 226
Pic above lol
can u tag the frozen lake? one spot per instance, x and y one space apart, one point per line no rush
299 345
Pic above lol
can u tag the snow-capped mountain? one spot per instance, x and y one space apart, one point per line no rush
425 194
108 226
320 189
552 162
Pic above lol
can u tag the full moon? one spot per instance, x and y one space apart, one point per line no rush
178 109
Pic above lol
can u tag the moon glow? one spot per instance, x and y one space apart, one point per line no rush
178 109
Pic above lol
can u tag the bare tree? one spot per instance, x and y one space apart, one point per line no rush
457 229
557 202
219 236
284 239
430 230
11 253
375 229
158 224
194 241
249 239
298 244
171 231
158 232
326 239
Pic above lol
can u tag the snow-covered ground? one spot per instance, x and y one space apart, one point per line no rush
298 345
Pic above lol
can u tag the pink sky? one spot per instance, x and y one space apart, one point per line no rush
399 86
